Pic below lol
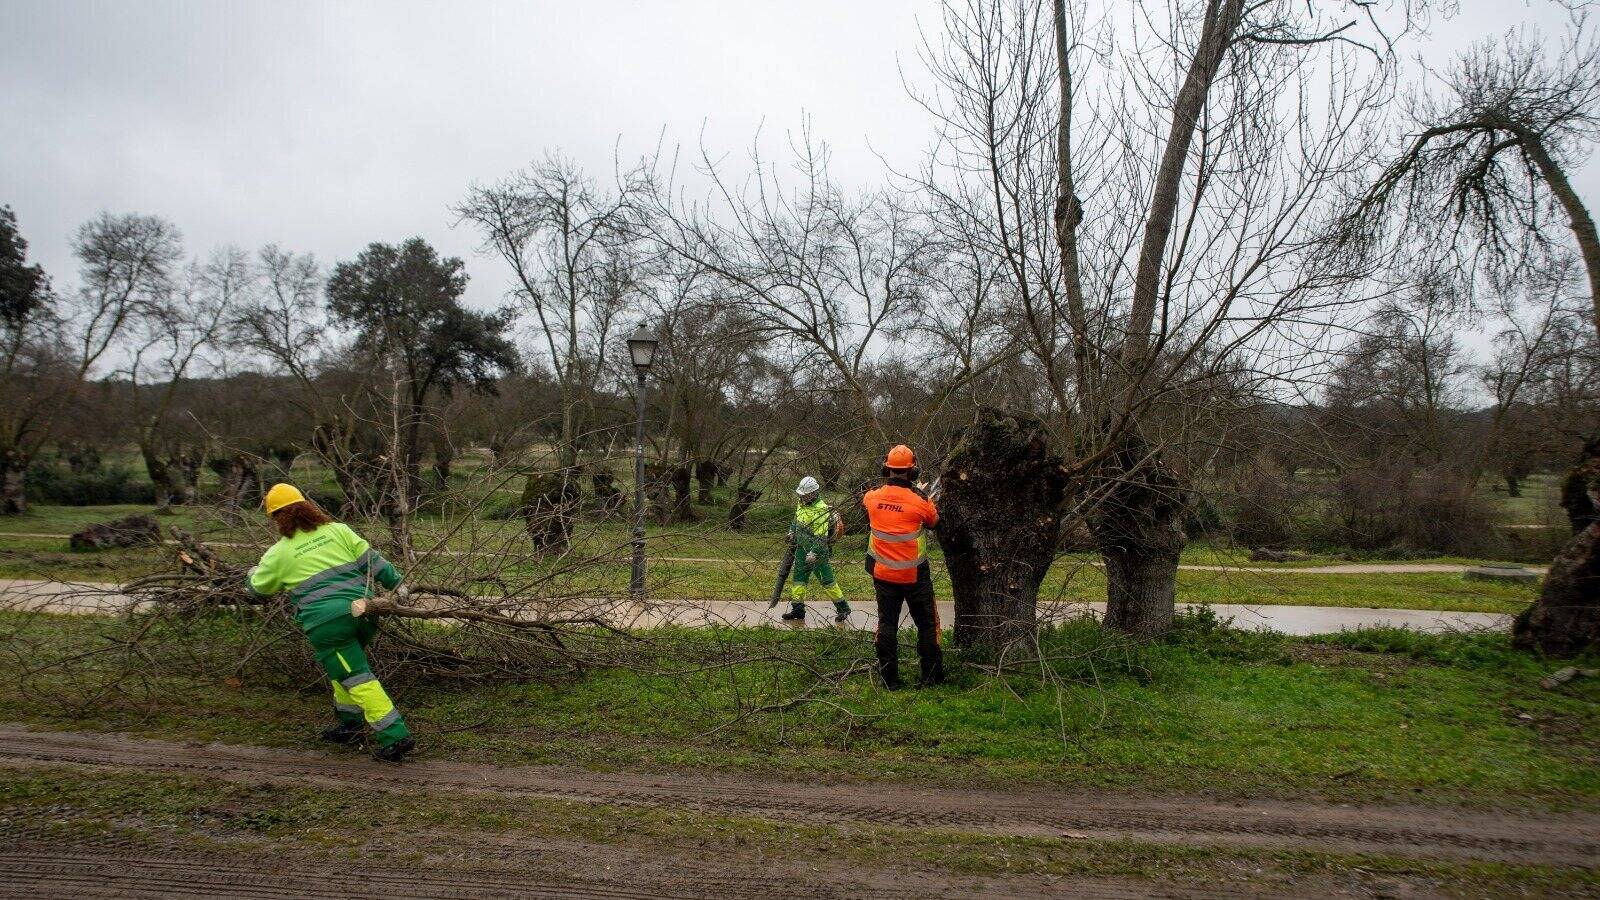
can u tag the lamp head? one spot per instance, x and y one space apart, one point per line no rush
642 347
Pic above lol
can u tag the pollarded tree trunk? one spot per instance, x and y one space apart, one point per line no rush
1137 523
550 500
1001 502
1565 620
13 482
740 510
1575 499
682 493
705 475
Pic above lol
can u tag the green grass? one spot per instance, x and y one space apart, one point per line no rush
731 565
1362 715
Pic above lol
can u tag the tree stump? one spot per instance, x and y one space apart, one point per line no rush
1002 499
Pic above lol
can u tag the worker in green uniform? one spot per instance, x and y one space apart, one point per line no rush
328 571
811 534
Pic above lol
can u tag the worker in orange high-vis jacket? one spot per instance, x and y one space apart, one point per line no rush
900 515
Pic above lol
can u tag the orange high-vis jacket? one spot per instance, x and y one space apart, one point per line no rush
898 514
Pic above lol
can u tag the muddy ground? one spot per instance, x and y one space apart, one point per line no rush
38 858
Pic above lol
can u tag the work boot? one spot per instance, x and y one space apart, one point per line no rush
796 613
343 734
841 613
395 752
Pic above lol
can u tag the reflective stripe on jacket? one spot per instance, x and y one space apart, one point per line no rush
898 513
813 525
323 571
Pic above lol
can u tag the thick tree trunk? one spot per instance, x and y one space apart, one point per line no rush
550 500
1002 496
443 455
1138 527
738 513
1565 620
161 476
606 493
1513 484
682 491
705 476
13 482
1575 498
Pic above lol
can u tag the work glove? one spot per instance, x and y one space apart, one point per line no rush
403 592
811 558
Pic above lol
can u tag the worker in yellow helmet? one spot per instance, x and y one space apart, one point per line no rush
328 571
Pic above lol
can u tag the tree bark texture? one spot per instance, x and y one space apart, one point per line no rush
1565 620
550 500
1001 502
1581 511
13 482
1137 523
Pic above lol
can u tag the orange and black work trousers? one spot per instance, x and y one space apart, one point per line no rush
917 598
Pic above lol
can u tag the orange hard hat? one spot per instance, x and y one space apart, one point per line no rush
900 457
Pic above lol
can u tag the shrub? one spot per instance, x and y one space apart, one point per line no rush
1398 506
1263 509
102 487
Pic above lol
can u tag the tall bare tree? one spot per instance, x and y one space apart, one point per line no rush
1162 196
52 347
567 241
171 333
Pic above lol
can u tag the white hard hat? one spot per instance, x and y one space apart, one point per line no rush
808 485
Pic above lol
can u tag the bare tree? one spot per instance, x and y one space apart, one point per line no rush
831 278
125 262
567 243
1492 154
171 333
1163 205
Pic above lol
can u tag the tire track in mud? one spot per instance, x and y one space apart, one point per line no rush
1567 839
39 864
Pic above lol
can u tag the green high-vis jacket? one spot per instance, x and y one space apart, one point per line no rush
324 571
813 526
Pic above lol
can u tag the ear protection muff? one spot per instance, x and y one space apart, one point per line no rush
911 473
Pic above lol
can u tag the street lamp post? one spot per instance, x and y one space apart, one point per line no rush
642 347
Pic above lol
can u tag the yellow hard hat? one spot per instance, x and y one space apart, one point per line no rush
282 495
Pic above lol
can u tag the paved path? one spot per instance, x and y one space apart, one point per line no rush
104 599
1374 568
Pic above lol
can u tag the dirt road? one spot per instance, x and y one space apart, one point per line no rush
1571 839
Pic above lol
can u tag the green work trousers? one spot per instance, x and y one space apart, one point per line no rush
823 569
340 645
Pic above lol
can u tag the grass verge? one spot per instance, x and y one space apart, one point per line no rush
1450 718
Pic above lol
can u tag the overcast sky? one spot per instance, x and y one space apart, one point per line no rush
325 126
